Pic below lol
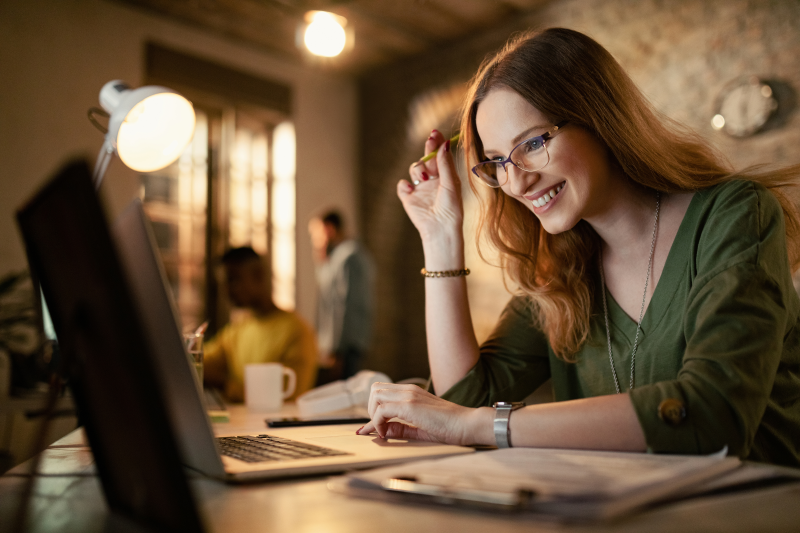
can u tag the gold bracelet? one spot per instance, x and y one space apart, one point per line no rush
445 273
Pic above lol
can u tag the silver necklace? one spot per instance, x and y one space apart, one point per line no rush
641 312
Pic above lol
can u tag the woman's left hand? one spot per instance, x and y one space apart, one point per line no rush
433 419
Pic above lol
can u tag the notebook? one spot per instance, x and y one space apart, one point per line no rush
331 448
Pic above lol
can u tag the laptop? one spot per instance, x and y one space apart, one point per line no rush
106 356
309 450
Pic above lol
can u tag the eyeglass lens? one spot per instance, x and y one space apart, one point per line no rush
529 156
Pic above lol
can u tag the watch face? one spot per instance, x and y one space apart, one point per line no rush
744 106
512 405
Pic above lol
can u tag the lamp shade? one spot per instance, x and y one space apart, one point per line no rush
148 127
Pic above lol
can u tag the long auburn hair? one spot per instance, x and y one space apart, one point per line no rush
568 76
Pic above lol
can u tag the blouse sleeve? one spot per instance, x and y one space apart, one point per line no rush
741 308
513 362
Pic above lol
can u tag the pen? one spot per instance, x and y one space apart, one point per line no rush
201 330
431 155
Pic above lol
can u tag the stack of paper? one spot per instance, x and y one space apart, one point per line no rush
581 485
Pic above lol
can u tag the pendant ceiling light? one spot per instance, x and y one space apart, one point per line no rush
324 33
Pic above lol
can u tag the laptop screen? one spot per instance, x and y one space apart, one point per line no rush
47 322
150 291
108 356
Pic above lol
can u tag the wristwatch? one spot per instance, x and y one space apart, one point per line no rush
501 417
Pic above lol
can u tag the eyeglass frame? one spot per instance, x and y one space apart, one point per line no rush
546 136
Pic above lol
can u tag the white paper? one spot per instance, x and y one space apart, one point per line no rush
571 481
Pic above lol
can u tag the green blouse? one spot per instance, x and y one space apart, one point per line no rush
720 338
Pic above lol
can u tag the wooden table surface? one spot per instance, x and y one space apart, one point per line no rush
67 496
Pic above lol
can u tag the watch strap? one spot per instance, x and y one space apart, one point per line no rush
501 419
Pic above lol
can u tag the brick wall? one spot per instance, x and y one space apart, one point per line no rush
680 53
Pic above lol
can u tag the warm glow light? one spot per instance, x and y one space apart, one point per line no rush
155 132
283 152
718 122
325 35
283 215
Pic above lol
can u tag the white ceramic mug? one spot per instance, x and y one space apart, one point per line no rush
265 387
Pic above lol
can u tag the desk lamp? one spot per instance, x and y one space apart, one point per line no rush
148 127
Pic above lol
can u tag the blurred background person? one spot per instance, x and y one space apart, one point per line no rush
266 334
345 286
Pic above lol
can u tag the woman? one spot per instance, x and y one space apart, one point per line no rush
601 211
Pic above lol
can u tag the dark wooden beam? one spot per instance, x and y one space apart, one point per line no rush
186 70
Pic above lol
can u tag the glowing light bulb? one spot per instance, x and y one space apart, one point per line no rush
155 132
325 35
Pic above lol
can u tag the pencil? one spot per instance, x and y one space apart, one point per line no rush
431 155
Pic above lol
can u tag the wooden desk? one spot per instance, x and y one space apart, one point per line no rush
69 498
20 423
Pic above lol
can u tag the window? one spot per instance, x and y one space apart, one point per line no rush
233 186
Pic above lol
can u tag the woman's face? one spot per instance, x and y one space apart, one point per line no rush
579 174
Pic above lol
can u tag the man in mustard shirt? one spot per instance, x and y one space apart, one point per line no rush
266 334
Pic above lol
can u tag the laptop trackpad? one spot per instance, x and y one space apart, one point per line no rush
374 445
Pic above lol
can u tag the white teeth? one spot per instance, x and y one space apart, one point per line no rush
546 197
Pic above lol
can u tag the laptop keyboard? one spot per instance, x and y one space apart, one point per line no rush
262 448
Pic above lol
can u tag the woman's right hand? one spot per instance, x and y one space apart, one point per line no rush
434 205
433 202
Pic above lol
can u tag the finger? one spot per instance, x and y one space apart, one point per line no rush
385 409
419 174
435 139
398 430
381 419
375 392
366 429
433 142
447 168
395 430
372 403
404 189
393 403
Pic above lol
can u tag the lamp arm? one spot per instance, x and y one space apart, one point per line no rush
101 165
97 111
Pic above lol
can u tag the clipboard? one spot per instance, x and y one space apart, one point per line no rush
517 500
562 485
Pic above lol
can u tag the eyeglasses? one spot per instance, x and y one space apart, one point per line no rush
530 155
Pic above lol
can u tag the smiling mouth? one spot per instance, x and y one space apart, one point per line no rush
548 196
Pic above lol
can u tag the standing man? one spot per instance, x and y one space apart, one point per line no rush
345 277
